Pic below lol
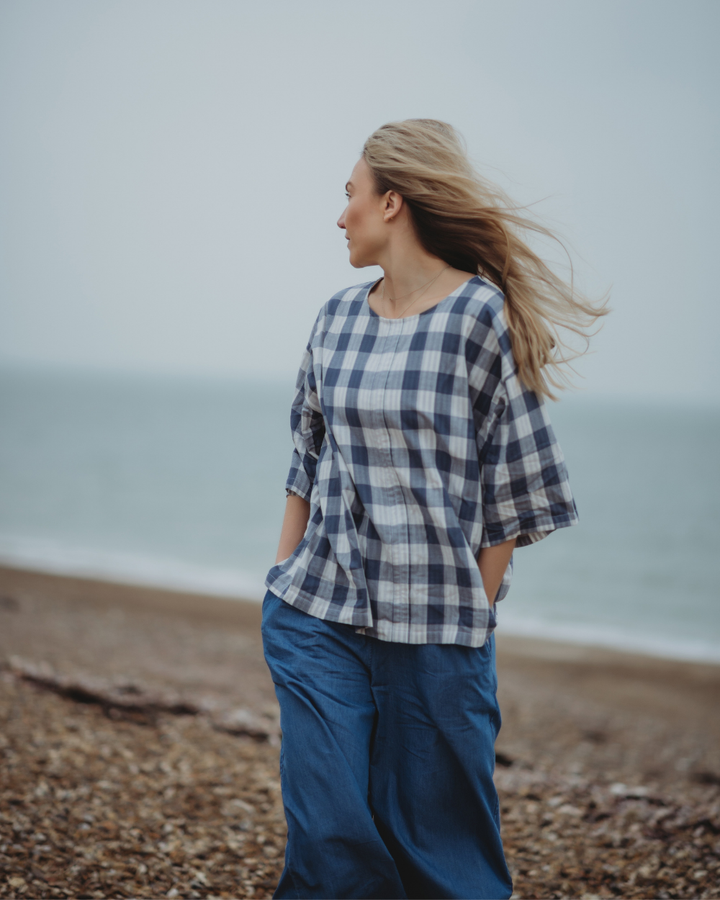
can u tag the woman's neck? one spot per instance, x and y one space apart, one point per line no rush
414 283
406 271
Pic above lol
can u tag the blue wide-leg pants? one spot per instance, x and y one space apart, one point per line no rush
386 763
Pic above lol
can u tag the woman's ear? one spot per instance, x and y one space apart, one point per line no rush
393 203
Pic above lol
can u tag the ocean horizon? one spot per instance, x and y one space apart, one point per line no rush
178 483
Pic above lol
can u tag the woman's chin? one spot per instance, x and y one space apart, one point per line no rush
359 262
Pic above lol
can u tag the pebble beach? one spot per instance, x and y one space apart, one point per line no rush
139 743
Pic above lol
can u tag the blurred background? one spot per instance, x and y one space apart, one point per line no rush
171 177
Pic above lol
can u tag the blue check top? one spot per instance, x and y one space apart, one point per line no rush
416 444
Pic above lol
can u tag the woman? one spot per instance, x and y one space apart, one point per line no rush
423 456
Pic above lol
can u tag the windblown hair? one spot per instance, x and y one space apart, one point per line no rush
471 224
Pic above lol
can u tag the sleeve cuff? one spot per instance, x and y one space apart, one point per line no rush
297 480
529 533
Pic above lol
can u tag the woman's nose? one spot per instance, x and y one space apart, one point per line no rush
341 221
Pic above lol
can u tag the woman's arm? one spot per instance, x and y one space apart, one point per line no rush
297 513
492 562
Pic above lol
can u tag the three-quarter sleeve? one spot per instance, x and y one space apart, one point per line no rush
307 426
525 488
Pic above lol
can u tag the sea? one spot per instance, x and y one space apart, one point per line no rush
179 483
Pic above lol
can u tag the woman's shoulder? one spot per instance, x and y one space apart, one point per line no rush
481 300
344 304
479 312
349 300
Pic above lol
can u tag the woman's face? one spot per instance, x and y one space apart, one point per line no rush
363 219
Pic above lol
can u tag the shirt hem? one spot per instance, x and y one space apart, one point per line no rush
441 633
526 536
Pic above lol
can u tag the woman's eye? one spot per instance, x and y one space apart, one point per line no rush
347 195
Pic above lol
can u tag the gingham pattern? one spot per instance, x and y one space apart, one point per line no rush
416 445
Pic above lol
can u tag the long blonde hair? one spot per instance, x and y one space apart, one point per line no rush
470 224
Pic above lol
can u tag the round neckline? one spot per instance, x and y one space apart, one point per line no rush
366 301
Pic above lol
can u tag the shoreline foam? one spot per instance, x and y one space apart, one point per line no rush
178 577
134 569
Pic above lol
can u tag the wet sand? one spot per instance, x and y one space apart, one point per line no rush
139 741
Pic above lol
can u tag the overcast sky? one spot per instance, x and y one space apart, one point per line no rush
171 172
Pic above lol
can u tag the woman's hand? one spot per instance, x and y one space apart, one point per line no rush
493 561
297 513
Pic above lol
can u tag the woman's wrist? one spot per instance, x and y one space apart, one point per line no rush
297 513
492 562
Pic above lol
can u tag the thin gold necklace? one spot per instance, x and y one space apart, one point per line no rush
424 287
